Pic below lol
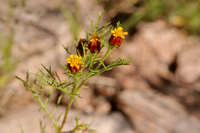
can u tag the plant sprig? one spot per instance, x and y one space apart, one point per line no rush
86 63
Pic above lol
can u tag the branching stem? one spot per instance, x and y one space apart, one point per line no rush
104 57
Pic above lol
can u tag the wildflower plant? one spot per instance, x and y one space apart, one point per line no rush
86 62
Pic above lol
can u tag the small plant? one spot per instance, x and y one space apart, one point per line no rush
88 61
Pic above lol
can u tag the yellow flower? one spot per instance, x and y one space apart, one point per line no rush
74 63
117 36
118 32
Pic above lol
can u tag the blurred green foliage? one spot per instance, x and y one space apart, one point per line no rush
7 66
180 13
71 17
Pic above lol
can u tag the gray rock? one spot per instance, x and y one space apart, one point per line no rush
29 119
156 113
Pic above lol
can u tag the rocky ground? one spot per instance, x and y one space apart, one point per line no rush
157 93
28 120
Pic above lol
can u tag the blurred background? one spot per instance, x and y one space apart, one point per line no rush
159 92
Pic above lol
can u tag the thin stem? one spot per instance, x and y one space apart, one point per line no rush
66 113
92 60
104 57
70 104
107 53
46 111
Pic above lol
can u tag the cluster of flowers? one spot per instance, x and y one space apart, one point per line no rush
94 45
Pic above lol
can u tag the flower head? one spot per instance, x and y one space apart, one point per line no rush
94 44
117 36
74 63
81 44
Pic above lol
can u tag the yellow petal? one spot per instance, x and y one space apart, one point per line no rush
120 28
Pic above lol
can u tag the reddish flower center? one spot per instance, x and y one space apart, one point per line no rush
115 41
94 46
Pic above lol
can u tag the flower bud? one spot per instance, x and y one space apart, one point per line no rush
81 44
94 44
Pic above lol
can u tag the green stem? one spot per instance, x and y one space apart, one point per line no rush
93 57
46 111
75 90
66 113
104 57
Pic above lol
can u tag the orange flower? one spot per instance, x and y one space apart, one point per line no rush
117 36
74 63
94 44
79 48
